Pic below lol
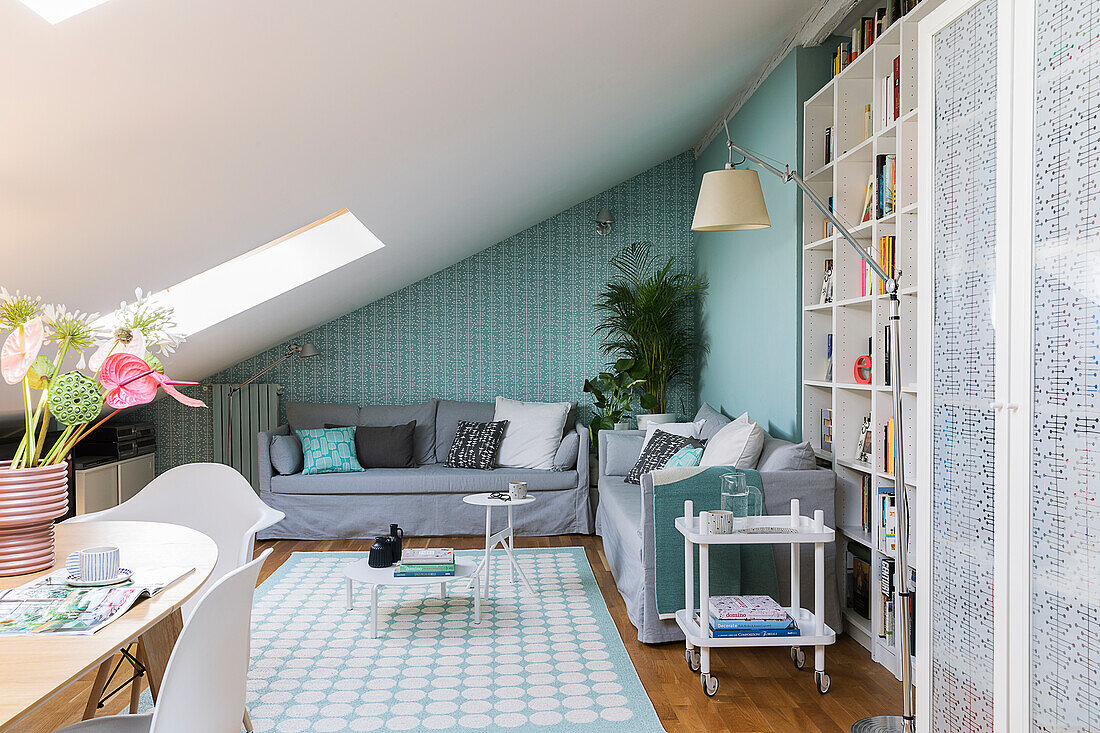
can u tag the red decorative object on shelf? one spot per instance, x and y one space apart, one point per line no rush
863 370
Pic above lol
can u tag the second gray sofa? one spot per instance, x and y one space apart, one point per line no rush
426 500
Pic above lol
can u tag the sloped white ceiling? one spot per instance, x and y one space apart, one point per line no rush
144 141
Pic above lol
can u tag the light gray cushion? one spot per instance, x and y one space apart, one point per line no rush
286 454
622 452
532 432
315 415
713 421
424 433
779 455
447 417
566 457
432 479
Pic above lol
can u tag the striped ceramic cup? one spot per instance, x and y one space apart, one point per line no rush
98 564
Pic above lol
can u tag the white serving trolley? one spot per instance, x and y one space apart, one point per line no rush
794 530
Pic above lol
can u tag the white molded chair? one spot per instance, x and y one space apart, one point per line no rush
205 680
209 497
212 498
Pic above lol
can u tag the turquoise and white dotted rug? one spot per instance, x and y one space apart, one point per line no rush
552 661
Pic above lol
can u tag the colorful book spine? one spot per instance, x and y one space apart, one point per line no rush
826 430
424 570
736 634
769 625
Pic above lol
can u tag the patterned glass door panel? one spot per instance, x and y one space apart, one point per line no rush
1065 430
964 241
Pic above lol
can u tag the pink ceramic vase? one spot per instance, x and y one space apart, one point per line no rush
30 499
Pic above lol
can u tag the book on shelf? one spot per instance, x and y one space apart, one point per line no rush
868 199
791 630
828 145
867 123
828 224
829 357
745 608
886 356
861 586
886 598
867 276
865 514
826 429
888 447
886 255
863 445
880 21
884 184
842 57
888 520
896 91
826 295
427 555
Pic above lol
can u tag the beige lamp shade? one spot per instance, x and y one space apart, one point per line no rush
730 200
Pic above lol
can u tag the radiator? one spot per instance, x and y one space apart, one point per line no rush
254 407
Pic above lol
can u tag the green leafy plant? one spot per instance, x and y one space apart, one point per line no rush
613 394
647 313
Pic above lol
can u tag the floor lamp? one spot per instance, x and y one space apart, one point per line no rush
302 351
731 200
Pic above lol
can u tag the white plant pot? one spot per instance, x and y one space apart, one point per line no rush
660 418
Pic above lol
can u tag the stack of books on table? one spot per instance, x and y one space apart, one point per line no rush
733 616
426 563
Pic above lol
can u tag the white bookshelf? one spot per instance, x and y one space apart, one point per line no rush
852 319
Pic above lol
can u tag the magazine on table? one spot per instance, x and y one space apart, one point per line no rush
51 606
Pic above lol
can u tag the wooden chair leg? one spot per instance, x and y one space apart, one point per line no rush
247 722
97 690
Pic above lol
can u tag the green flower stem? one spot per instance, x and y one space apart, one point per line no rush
44 426
48 458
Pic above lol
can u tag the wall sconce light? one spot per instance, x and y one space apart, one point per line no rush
604 220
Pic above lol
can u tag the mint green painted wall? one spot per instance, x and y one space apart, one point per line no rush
751 315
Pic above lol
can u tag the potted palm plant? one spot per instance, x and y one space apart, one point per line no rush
44 353
613 394
647 313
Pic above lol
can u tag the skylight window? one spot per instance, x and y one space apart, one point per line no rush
266 272
56 11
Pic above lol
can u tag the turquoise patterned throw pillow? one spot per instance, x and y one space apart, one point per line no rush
686 456
329 450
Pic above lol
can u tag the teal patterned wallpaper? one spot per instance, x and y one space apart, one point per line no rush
515 319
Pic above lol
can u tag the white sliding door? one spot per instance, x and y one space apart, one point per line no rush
1064 283
963 220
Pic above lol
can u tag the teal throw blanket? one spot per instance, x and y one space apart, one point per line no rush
734 569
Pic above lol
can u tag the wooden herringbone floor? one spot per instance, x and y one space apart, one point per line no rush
760 689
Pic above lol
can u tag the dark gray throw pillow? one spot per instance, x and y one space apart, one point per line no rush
286 454
658 450
385 446
476 445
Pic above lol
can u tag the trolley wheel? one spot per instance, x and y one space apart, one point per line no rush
710 684
798 656
823 681
692 658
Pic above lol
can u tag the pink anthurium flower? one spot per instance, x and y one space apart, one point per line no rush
20 350
130 381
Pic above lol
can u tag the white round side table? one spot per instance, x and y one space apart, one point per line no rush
505 538
377 577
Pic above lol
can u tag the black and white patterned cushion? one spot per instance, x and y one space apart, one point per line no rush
658 450
476 445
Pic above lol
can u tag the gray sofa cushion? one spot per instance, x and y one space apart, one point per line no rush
623 449
286 454
713 421
432 479
780 455
315 415
424 415
447 417
566 457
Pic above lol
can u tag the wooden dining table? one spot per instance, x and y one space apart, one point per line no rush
33 668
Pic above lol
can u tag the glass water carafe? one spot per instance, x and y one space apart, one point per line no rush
741 499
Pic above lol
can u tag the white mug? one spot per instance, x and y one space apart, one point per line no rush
98 564
719 521
517 489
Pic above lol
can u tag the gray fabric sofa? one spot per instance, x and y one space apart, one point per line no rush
624 519
426 500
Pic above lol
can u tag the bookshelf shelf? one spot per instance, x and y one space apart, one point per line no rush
855 324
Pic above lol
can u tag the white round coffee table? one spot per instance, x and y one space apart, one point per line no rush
377 577
505 538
